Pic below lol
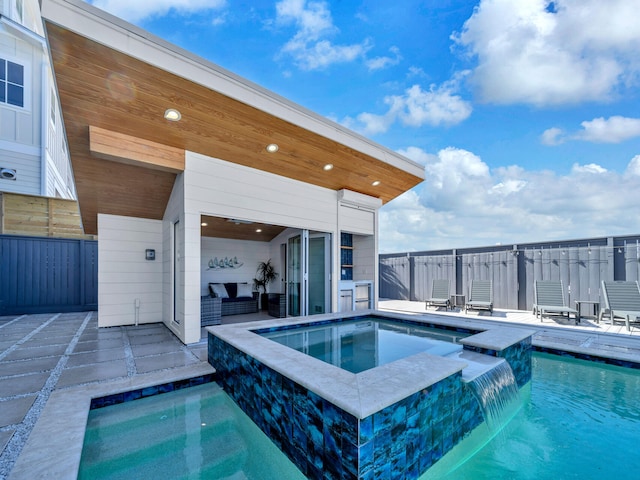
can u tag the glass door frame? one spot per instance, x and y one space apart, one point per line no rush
301 271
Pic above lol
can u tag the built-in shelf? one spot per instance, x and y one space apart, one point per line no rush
346 256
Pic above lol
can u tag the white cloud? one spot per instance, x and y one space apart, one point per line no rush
549 53
553 136
612 130
309 46
590 168
137 10
379 63
634 166
463 203
438 106
615 129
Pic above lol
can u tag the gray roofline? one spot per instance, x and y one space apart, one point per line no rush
113 32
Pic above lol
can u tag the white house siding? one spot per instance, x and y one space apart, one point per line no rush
22 128
364 257
358 220
22 124
59 175
248 253
26 161
124 274
220 188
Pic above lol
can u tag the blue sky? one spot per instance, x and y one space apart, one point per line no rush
525 113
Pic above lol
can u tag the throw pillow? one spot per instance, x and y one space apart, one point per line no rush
244 290
219 290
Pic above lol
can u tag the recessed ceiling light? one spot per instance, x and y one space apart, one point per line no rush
258 230
327 167
172 115
376 183
204 224
272 148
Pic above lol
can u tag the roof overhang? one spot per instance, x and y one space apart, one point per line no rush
116 81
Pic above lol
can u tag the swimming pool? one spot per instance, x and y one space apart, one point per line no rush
578 420
395 419
196 432
366 343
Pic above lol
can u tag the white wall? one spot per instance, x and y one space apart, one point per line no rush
364 257
220 188
124 274
248 253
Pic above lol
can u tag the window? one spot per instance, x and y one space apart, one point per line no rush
20 10
53 108
11 83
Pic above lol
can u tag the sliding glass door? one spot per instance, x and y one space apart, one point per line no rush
295 274
309 274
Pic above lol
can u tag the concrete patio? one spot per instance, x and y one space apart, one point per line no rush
57 361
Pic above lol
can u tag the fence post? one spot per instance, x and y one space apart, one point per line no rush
412 279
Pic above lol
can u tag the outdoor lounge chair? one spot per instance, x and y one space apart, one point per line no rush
622 300
549 299
480 296
439 294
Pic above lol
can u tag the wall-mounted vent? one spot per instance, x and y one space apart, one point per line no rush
8 173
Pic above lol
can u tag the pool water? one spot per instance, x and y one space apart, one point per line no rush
194 433
579 420
359 345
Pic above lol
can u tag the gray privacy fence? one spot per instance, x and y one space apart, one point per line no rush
581 265
44 275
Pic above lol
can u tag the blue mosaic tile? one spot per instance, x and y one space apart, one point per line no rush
367 457
401 441
366 430
398 465
382 448
117 398
383 471
355 460
382 420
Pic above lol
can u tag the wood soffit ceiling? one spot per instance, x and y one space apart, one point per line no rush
226 228
103 88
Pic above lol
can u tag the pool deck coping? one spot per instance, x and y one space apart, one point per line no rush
368 392
590 341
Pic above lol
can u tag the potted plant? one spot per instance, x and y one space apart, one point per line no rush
265 274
